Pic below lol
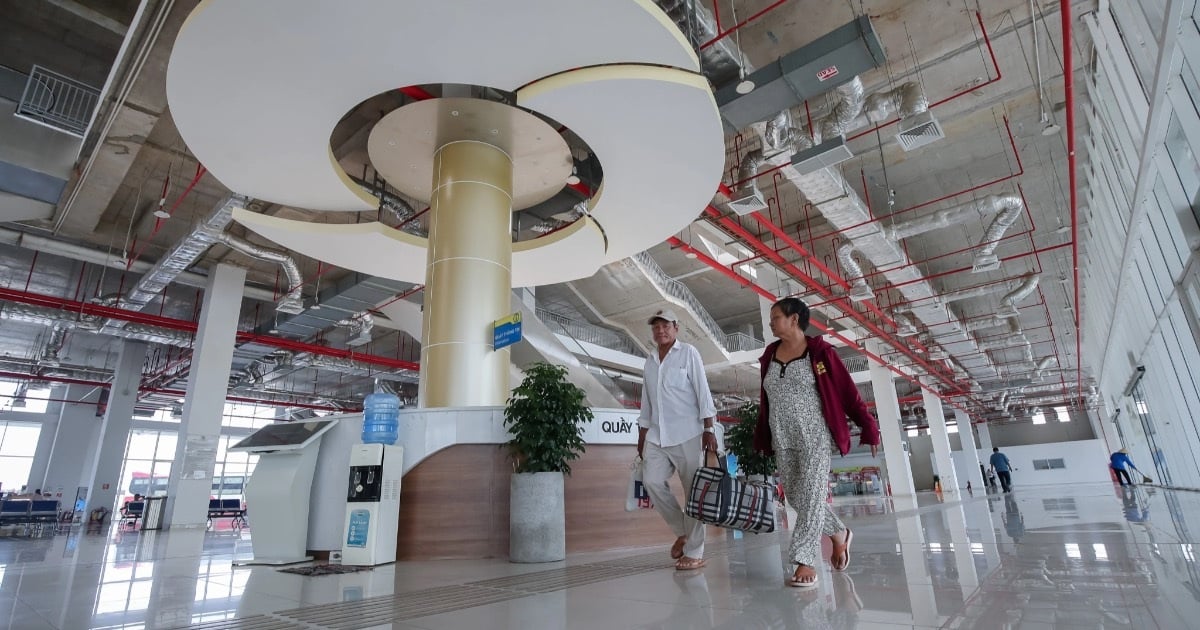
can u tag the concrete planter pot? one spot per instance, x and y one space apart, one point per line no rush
537 529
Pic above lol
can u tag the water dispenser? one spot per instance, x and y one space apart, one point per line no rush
372 504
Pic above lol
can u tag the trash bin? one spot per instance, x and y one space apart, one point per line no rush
152 513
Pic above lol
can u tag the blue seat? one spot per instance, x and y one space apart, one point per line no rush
15 511
227 508
132 512
44 510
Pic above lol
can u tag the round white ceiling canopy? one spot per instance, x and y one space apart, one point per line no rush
256 88
402 145
656 131
571 253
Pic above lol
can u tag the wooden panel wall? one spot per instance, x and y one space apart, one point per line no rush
455 505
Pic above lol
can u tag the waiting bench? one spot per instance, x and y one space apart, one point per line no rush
33 514
227 508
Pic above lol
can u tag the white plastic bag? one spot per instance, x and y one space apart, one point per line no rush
636 497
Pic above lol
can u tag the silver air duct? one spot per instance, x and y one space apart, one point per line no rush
360 325
780 137
54 345
293 301
906 100
859 290
904 325
985 257
850 98
721 62
59 318
1043 365
1008 305
956 215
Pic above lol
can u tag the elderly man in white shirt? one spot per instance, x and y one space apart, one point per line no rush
675 427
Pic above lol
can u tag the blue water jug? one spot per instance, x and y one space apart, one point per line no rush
381 419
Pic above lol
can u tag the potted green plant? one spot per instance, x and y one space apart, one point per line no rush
739 440
544 415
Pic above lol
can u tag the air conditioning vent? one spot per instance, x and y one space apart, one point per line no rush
747 201
918 131
829 153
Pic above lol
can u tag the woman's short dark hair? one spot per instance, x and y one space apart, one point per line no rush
793 306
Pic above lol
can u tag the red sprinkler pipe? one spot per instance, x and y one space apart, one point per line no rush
154 390
1069 91
84 308
735 228
702 257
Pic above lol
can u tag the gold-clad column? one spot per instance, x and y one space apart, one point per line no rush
468 277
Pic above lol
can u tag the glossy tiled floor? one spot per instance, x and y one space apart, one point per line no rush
1051 557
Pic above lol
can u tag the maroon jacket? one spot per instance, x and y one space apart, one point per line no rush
839 398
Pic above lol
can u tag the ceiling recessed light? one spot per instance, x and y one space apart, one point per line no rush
745 87
1050 129
690 255
573 179
161 213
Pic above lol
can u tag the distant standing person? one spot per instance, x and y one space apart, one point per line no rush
1003 468
805 398
1122 464
674 428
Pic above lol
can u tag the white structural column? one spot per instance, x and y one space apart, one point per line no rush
966 435
936 417
887 410
964 560
916 570
73 443
204 405
985 439
104 475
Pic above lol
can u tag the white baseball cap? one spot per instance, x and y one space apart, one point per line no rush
665 314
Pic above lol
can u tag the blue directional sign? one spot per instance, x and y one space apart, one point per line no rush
506 331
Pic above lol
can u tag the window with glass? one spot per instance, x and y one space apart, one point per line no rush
1187 169
21 397
149 454
18 440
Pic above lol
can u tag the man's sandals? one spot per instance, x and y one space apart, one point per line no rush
688 564
677 548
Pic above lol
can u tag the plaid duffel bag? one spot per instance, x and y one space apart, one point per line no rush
717 498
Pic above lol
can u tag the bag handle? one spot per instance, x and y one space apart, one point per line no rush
717 454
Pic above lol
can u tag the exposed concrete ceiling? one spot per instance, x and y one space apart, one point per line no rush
940 44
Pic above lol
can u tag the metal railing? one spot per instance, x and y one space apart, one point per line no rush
737 342
591 333
676 289
58 102
679 291
856 364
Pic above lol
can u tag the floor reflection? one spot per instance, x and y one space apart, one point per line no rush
1082 557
